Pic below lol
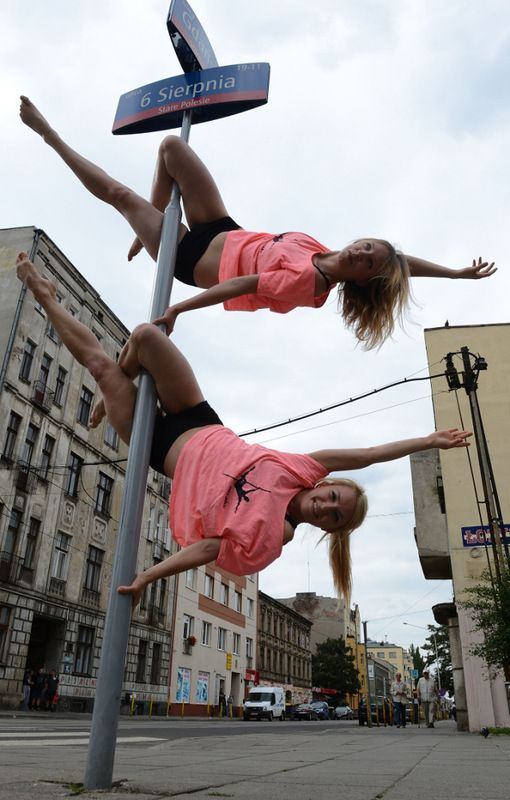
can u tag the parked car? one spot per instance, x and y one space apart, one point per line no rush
383 711
322 709
344 712
304 711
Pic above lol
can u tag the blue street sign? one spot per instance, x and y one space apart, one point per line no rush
192 47
479 535
211 94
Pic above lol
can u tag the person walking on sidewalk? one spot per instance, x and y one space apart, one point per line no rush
399 694
427 695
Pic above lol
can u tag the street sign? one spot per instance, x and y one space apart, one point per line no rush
480 535
228 661
211 94
414 674
191 45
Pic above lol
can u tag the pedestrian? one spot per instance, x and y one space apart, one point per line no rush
51 690
231 502
230 706
248 270
416 708
427 695
37 695
222 704
399 694
27 685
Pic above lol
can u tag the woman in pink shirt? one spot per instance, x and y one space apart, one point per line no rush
245 270
232 502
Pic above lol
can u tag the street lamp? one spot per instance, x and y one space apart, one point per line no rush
433 635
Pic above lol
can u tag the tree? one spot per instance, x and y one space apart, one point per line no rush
489 607
418 660
439 638
333 667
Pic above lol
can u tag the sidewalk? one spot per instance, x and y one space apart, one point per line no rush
321 764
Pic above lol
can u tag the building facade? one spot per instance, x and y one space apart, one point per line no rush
449 531
395 655
215 641
284 652
61 485
330 618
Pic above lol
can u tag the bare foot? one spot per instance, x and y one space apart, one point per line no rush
98 414
42 289
32 117
135 589
135 248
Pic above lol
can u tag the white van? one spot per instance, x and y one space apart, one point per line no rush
265 702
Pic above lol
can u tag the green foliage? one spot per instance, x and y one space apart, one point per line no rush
439 636
418 660
333 667
489 608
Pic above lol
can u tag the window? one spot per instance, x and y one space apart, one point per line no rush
238 602
49 444
249 607
249 647
44 372
111 437
11 535
103 493
206 633
187 626
162 596
27 360
222 639
11 434
75 464
28 447
59 386
93 569
381 654
236 647
84 406
191 578
209 586
5 613
141 662
393 654
31 543
84 650
60 556
224 594
156 663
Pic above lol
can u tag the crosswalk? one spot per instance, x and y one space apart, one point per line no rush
25 738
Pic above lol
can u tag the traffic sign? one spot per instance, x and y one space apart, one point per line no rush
191 45
210 93
414 674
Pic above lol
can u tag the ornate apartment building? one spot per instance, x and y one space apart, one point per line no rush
284 654
60 492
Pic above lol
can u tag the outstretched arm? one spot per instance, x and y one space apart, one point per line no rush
227 290
358 458
419 268
196 554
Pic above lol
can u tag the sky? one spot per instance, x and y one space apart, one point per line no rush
386 118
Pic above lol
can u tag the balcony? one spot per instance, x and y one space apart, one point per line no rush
57 587
431 532
90 597
10 566
41 396
24 478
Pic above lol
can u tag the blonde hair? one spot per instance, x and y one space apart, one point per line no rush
339 542
371 310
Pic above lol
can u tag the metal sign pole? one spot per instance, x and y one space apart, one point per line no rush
103 732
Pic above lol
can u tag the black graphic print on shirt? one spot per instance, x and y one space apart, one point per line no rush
239 485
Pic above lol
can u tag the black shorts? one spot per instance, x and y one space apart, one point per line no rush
195 242
168 428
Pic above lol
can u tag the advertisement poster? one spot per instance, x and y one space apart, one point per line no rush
183 685
202 687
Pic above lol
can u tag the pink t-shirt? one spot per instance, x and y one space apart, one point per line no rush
284 263
225 487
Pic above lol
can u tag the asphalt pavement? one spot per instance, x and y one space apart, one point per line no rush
44 757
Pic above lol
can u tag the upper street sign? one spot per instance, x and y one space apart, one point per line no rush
210 93
192 47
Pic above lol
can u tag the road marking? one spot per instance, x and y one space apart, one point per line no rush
59 742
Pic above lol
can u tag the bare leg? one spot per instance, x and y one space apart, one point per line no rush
143 217
118 390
